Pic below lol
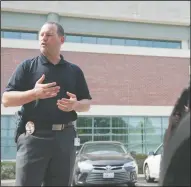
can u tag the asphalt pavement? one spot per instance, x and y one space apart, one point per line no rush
141 182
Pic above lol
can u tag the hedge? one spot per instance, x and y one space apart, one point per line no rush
7 170
8 167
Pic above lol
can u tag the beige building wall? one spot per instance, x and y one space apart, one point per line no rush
164 12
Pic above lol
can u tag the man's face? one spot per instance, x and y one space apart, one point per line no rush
50 41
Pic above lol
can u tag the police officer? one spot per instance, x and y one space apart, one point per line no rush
50 91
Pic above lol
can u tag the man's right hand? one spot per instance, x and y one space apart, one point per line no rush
44 91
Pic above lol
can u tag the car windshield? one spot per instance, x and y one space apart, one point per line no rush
103 149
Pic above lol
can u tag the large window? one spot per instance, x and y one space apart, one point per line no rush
139 133
123 41
19 35
76 38
8 147
120 129
136 134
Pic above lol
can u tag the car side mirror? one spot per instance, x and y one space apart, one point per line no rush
151 153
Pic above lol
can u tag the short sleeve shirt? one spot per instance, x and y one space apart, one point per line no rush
67 75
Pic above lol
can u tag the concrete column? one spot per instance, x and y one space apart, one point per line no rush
53 17
185 44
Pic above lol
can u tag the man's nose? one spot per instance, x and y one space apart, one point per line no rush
44 38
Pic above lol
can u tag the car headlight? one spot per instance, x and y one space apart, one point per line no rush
85 166
130 164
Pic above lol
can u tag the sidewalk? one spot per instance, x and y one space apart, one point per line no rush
8 182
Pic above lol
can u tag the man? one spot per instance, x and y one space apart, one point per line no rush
51 91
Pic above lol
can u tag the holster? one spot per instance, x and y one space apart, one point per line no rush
20 125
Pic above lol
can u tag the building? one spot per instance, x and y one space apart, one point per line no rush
135 56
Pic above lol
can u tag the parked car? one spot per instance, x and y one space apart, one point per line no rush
104 163
151 166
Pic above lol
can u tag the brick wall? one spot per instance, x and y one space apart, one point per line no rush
118 79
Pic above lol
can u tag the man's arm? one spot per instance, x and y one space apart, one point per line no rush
80 101
40 91
18 98
82 105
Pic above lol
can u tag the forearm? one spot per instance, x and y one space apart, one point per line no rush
18 98
82 105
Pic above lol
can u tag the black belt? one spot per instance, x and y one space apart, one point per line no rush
32 126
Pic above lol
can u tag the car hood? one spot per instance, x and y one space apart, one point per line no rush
106 158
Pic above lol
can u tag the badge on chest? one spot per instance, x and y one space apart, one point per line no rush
30 127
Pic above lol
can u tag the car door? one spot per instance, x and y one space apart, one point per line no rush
156 162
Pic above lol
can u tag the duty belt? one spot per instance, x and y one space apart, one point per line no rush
31 127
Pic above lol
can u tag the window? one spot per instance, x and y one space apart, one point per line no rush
100 122
101 138
140 134
84 125
84 122
19 35
145 43
160 44
175 45
73 38
101 125
165 122
136 136
117 41
120 138
88 39
104 41
119 125
153 130
97 40
84 139
12 35
132 42
29 36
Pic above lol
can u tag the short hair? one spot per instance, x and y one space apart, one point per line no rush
60 29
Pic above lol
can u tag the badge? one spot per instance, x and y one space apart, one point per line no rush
76 141
30 127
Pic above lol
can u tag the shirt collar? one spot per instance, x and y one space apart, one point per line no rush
44 60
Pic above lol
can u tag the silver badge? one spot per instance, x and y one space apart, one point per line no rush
30 127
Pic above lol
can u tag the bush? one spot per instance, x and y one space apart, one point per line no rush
140 158
7 170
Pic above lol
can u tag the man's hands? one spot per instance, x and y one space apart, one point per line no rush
44 91
67 105
49 90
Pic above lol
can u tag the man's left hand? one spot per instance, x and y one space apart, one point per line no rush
67 105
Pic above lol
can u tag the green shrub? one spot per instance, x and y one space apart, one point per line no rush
7 170
140 158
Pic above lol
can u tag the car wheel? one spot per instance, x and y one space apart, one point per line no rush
131 184
147 174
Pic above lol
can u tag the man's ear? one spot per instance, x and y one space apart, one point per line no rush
62 39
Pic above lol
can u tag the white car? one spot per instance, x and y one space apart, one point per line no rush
151 166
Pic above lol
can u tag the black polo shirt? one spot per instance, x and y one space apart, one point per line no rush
67 75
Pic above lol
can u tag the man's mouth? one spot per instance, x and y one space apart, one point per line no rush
43 44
